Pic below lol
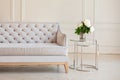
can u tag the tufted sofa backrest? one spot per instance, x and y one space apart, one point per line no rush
28 32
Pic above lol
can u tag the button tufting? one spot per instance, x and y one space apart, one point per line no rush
36 41
19 34
18 26
26 26
6 38
5 29
36 26
44 26
14 30
44 34
19 42
48 29
10 41
10 34
27 41
9 26
27 33
32 38
1 41
14 38
23 30
52 26
52 33
1 34
39 29
31 29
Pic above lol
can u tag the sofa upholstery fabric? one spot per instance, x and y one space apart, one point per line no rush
32 49
28 32
32 39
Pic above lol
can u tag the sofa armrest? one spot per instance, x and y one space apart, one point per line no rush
61 39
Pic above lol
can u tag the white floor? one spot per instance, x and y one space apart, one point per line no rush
109 69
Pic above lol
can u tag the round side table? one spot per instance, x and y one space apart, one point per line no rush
78 43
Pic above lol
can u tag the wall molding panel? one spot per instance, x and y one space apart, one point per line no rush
108 11
6 10
108 26
22 9
55 11
12 9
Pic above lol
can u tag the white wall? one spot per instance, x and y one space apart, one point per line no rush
104 15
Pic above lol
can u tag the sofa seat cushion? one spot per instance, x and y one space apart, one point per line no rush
32 49
33 59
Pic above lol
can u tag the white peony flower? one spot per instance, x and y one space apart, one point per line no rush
92 29
87 22
80 24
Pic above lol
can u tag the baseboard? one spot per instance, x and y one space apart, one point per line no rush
99 53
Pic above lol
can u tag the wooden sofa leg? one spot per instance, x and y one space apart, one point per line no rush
66 67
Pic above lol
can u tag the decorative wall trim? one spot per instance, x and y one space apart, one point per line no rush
83 9
105 48
100 22
107 23
93 12
12 10
22 10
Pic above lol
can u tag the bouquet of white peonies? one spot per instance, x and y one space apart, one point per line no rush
84 27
